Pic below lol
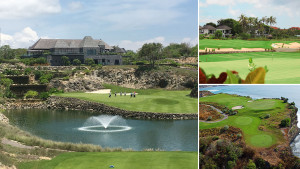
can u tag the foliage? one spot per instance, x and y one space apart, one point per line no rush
34 61
11 72
251 165
285 122
44 95
6 52
31 94
218 34
65 61
45 78
151 52
89 61
244 36
257 76
28 71
76 62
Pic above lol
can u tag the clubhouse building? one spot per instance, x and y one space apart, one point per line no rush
98 50
208 30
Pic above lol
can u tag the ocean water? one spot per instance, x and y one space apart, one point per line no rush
292 92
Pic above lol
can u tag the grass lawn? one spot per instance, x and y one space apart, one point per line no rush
248 119
120 160
283 67
238 44
147 100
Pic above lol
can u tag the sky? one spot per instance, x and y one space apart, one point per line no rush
126 23
287 12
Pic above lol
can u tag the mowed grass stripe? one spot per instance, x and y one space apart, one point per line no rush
120 160
238 44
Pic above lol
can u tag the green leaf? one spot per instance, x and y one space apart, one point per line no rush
256 77
231 78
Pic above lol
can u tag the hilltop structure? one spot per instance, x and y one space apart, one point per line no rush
98 50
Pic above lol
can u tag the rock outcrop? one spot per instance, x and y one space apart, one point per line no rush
77 84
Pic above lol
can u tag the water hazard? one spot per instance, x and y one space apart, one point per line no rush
107 131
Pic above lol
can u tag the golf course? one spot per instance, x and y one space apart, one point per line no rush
258 119
283 67
238 44
146 100
120 160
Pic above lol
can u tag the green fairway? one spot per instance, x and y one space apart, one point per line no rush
283 67
120 160
248 119
238 44
147 100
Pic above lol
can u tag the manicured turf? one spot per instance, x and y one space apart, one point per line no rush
238 44
148 100
248 119
120 160
283 67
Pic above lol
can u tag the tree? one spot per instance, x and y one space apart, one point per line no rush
151 52
243 20
218 34
211 24
89 61
65 61
233 24
271 20
31 94
76 62
6 52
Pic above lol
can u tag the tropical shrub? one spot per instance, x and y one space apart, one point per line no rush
31 94
285 122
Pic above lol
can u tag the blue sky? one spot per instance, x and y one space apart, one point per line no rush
287 12
127 23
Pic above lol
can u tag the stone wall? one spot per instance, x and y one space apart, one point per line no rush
66 103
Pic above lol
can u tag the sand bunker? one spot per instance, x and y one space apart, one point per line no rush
250 100
102 91
237 107
222 50
294 45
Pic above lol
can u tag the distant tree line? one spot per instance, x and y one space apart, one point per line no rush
247 27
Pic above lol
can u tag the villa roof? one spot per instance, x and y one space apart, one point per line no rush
225 27
200 27
209 27
46 44
295 28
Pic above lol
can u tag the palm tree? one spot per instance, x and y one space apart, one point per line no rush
272 20
243 20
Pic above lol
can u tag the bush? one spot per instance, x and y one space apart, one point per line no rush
231 164
201 36
218 34
31 94
285 122
55 90
44 95
245 36
27 71
251 165
209 118
293 103
239 135
285 100
66 78
76 62
89 61
225 128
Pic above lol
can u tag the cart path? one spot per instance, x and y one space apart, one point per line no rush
224 118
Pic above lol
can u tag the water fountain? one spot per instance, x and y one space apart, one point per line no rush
105 124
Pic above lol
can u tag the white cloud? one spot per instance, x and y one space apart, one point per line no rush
75 5
190 41
18 9
136 14
22 39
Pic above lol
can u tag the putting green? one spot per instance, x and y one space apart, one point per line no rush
243 121
165 101
261 105
147 100
261 140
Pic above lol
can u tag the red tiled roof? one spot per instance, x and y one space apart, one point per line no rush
274 27
295 28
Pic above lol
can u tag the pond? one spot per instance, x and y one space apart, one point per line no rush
82 127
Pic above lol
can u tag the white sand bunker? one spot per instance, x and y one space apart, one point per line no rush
290 45
237 107
102 91
221 50
250 100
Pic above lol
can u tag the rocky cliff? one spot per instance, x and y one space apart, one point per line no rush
127 77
